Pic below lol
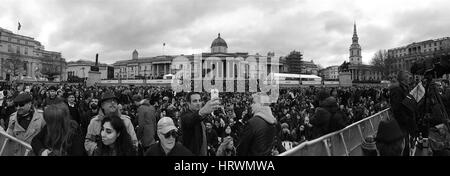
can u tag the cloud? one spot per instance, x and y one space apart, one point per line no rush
321 29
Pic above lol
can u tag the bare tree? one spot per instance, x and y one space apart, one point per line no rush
14 65
381 63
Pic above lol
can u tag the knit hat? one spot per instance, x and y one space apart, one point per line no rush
389 131
369 143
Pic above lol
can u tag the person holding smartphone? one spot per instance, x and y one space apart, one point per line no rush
192 125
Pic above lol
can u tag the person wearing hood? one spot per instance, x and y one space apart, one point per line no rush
146 115
259 135
328 118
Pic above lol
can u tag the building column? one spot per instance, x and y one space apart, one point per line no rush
157 70
351 74
29 68
32 69
1 69
165 69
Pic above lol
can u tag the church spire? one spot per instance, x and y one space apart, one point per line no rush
355 34
355 48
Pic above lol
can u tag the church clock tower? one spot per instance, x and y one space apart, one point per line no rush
355 49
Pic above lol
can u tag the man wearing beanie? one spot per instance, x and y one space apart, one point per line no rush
390 140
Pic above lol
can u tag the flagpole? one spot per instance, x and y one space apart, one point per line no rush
164 47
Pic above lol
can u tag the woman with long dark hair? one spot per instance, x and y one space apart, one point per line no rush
60 136
115 140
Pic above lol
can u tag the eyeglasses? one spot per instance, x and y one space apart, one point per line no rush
172 133
21 104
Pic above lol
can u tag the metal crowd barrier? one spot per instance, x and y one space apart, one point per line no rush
345 142
10 145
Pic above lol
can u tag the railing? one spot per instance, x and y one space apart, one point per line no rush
345 142
8 142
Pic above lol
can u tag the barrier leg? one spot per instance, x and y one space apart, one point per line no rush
345 144
26 152
325 142
3 146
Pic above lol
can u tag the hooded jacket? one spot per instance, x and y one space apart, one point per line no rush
328 118
259 134
146 115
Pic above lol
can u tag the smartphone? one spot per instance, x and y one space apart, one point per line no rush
214 93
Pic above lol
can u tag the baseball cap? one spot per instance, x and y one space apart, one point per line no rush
165 125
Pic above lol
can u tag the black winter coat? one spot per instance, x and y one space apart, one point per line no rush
192 131
257 138
402 114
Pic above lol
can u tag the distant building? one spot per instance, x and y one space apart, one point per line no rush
158 66
81 69
404 57
309 68
330 73
358 70
22 58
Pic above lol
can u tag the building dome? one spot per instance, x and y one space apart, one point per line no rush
219 42
219 45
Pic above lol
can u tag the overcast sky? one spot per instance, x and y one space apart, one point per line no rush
321 29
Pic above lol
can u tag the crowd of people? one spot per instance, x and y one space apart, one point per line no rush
147 120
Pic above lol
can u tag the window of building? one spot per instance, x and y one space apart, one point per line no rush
10 48
9 39
18 50
435 43
26 50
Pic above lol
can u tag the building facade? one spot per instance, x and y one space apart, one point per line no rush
81 69
358 70
330 73
403 57
24 59
158 66
309 68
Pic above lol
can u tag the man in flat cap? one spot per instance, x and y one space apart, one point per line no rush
53 98
25 123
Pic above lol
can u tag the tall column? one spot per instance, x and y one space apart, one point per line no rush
29 68
157 69
351 75
165 69
1 69
32 69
